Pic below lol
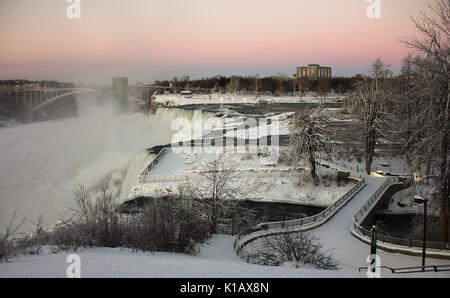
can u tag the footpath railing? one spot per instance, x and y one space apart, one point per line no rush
308 223
151 165
365 235
146 178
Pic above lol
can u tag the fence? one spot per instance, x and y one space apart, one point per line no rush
152 164
273 228
365 234
182 177
401 241
362 213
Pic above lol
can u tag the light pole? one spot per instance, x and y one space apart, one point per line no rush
420 200
373 249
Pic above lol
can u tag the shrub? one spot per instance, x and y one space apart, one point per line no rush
164 224
8 241
297 248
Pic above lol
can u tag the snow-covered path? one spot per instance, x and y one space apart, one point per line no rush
352 253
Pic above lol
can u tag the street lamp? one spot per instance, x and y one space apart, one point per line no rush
420 200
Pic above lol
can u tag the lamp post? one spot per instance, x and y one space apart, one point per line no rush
420 200
373 249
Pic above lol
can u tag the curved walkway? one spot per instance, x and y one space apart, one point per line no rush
352 253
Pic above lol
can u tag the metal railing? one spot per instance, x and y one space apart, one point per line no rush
164 178
401 241
152 164
362 213
358 230
273 228
406 270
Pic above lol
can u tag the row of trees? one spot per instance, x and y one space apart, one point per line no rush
279 84
416 103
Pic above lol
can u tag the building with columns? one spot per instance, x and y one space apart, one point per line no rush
314 72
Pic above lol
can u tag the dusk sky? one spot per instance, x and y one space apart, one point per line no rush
159 39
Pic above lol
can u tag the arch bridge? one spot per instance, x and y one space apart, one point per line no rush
34 99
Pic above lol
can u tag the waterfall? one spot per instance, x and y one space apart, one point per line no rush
136 167
41 162
143 159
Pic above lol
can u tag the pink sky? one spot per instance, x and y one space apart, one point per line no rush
159 39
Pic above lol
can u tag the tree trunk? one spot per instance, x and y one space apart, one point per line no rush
312 163
370 149
444 177
444 185
214 216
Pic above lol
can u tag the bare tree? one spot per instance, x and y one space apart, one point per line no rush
218 188
300 249
372 98
433 98
6 238
309 139
257 83
282 83
234 85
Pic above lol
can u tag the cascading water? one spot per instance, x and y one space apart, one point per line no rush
136 167
143 159
41 162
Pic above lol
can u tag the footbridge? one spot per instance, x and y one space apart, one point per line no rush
341 231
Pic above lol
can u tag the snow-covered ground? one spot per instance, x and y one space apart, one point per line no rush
277 184
178 99
394 165
216 259
8 123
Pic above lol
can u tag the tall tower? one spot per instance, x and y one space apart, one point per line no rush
120 95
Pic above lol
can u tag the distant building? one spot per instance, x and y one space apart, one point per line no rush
314 72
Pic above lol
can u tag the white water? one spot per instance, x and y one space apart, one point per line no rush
135 168
41 162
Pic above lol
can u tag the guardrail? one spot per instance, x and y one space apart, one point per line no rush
182 177
273 228
151 165
362 213
363 234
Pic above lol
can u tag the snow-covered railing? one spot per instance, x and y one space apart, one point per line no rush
151 165
308 223
410 243
362 213
364 234
146 178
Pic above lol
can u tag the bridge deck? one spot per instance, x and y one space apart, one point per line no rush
352 253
